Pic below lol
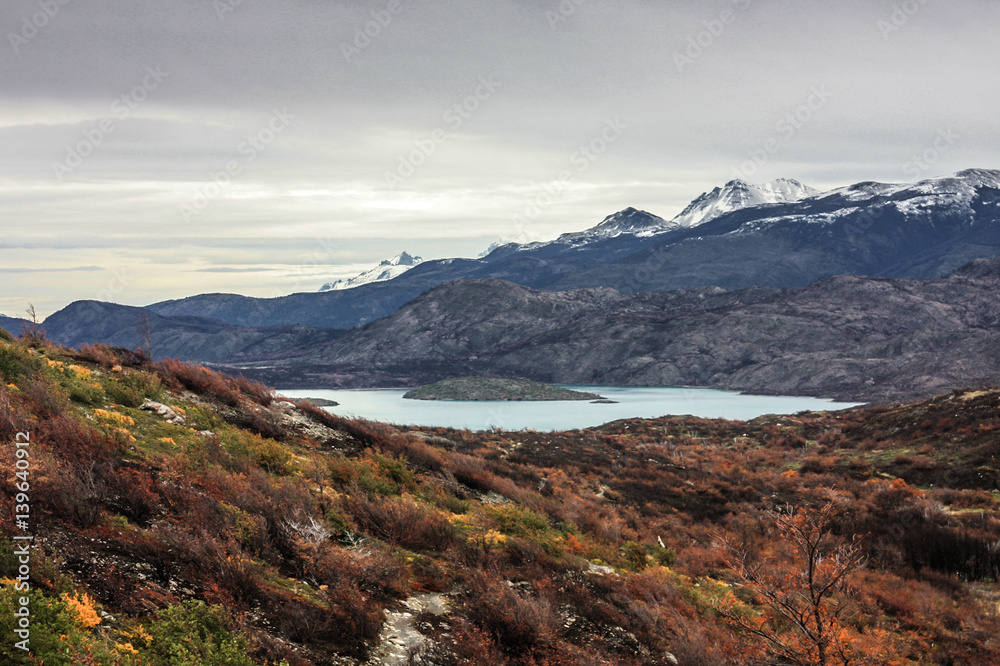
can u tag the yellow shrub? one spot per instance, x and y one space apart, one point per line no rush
113 417
82 606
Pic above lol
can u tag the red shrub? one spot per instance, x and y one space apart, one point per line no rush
98 354
68 439
200 380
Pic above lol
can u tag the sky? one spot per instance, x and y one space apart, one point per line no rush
156 150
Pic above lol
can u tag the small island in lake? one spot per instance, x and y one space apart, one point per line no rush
318 402
493 388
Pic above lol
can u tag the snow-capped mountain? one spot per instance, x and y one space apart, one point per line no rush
959 188
386 270
629 221
737 194
734 195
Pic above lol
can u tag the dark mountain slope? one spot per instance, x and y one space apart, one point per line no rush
12 325
852 337
187 338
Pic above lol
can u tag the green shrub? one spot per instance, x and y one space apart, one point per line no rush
133 389
15 363
194 634
55 638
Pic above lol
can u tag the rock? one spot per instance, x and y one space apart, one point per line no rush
166 412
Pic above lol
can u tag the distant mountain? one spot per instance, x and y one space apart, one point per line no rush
850 337
386 270
186 338
12 325
922 231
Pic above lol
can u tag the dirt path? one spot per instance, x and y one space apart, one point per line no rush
399 636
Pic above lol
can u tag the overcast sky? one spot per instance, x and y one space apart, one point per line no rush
154 150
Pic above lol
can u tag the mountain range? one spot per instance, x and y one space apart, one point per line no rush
921 231
735 292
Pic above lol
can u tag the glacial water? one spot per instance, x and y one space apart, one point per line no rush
388 405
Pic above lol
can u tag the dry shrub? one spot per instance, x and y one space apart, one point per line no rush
603 524
101 355
68 439
519 624
134 494
477 474
71 491
401 521
109 357
417 452
701 560
44 398
467 646
696 643
256 391
220 567
260 421
199 379
11 421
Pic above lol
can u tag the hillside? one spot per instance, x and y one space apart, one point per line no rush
223 525
494 388
846 337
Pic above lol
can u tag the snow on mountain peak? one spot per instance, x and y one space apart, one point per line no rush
403 259
737 194
386 270
961 187
629 221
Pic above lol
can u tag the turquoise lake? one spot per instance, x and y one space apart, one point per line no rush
388 405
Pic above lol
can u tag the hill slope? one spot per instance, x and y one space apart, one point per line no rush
223 525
